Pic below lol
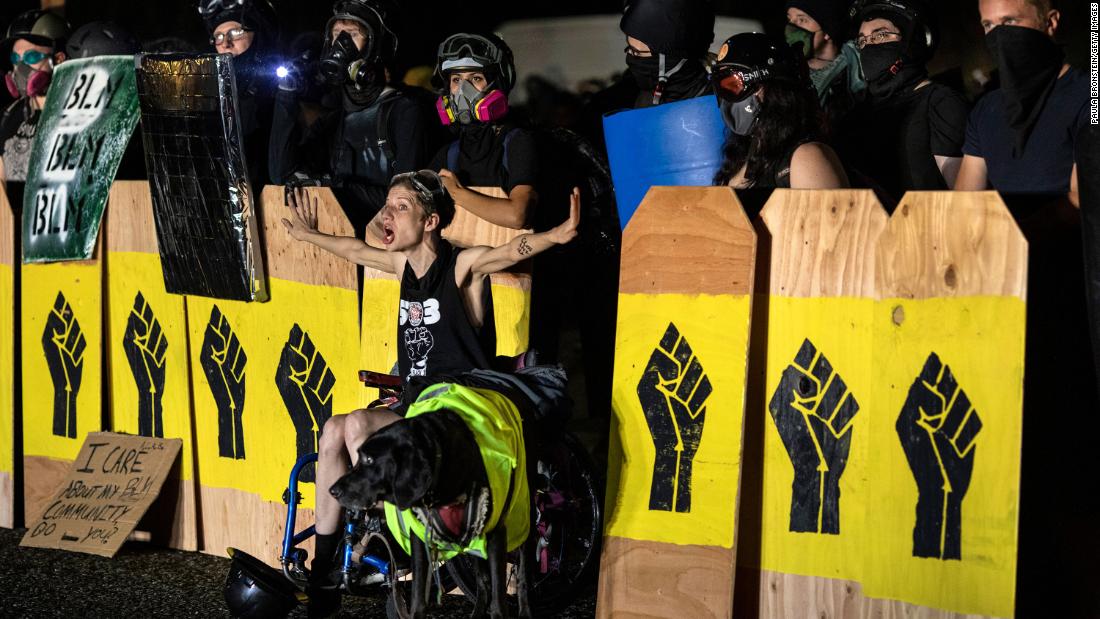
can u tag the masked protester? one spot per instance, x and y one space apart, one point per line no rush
820 28
1020 138
474 75
771 109
248 29
909 134
366 128
34 45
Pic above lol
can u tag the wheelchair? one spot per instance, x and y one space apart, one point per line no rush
563 546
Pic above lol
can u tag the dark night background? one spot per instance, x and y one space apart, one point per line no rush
962 49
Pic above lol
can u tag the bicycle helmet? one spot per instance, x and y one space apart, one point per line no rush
101 38
39 27
914 18
487 53
747 60
253 589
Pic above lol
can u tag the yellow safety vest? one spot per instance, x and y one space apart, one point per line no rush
495 423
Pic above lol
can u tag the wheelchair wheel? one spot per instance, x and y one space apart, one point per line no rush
566 529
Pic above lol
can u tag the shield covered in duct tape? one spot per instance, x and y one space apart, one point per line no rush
202 203
90 112
676 143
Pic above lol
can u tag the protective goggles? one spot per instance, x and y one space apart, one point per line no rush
466 50
428 186
31 56
735 83
209 8
236 34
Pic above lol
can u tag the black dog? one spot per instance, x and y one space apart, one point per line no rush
431 463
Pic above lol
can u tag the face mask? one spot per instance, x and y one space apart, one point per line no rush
470 104
741 116
800 36
23 81
337 58
887 71
646 70
1029 62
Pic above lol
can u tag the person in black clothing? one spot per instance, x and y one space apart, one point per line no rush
444 322
35 42
909 136
248 29
475 73
771 109
1020 138
821 28
367 130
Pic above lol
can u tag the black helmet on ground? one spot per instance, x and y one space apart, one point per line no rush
253 589
914 18
101 38
487 53
39 27
747 60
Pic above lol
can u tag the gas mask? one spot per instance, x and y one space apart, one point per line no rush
23 81
740 116
470 104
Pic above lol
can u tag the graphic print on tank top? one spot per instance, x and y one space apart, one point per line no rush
416 336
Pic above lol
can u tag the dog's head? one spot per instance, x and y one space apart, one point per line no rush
395 465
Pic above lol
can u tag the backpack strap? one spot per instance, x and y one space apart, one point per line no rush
385 108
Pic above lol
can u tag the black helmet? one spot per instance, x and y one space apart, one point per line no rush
378 17
474 51
101 38
749 59
915 18
38 27
675 27
253 589
257 15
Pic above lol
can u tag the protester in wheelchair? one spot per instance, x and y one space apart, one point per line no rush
444 320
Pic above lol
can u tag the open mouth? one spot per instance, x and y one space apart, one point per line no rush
387 234
453 518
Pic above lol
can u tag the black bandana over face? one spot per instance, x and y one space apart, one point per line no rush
1029 63
889 70
684 78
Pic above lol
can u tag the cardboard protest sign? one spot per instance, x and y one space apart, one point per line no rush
112 482
90 112
203 204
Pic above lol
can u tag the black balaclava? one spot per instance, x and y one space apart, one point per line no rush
1029 62
895 67
678 33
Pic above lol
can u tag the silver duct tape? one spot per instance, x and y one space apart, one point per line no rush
202 202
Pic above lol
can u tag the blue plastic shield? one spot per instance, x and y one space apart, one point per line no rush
673 144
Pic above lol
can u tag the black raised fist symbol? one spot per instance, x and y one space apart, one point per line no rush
938 427
813 410
305 382
146 349
63 343
673 392
223 362
418 342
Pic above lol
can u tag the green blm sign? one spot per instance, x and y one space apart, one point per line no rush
91 111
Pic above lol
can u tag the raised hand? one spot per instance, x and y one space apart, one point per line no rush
813 409
146 350
673 392
223 361
64 344
567 230
938 427
303 208
305 382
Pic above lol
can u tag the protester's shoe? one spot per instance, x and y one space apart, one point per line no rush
324 601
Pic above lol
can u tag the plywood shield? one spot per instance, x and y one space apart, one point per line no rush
62 325
8 432
680 361
944 469
266 376
511 292
150 392
801 542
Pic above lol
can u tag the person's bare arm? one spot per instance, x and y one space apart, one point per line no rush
510 212
973 175
488 260
1074 197
949 169
815 166
302 225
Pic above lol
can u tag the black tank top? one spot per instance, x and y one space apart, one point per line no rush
434 334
